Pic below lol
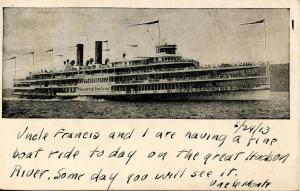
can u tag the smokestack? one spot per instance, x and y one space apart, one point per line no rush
79 54
98 52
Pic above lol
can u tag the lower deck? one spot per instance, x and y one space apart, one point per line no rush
259 93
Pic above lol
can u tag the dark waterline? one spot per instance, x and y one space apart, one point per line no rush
277 107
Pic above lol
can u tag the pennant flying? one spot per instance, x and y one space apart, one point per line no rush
49 50
10 58
30 53
133 45
256 22
148 23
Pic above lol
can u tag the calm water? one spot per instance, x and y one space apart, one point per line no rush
276 107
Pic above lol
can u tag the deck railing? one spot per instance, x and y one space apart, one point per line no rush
201 67
184 90
185 69
201 78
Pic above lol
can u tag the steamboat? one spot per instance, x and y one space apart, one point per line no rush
165 76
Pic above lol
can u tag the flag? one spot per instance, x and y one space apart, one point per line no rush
49 50
256 22
148 23
133 45
10 58
60 55
29 53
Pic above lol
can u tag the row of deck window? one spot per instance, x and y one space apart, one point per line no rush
211 74
147 61
181 86
94 80
132 79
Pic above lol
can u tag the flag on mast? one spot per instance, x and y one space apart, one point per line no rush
150 23
50 50
256 22
29 53
147 23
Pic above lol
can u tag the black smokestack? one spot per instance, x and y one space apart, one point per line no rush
79 54
98 52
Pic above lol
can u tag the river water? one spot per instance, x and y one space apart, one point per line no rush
277 107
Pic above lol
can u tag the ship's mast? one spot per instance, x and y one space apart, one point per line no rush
15 65
263 21
150 23
32 60
266 56
51 50
59 55
158 33
265 34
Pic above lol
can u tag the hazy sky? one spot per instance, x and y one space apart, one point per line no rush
211 36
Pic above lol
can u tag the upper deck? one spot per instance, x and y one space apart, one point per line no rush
122 66
166 61
114 72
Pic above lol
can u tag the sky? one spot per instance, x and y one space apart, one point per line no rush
212 36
